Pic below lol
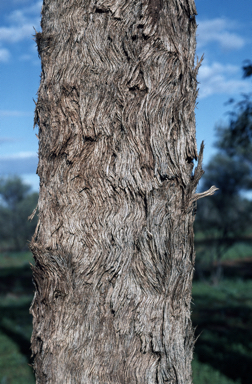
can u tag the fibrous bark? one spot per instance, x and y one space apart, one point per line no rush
114 243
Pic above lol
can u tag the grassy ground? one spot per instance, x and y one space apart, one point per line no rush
222 314
238 251
16 291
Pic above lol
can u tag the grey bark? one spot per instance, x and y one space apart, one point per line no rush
114 243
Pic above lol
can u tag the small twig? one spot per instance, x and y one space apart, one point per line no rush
33 213
198 196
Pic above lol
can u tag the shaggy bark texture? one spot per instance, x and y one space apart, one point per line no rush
114 243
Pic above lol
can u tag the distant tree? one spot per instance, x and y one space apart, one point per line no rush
235 138
227 215
16 203
13 190
247 68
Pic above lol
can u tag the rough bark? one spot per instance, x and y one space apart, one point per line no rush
114 243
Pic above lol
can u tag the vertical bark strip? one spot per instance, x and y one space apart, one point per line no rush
114 243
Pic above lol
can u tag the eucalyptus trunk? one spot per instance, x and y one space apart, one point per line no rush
113 249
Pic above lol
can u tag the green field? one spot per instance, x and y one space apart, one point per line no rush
16 291
222 314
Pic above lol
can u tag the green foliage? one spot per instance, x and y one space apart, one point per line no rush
16 203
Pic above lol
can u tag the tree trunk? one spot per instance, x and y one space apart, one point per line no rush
114 243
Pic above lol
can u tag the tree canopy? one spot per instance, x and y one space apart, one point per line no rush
235 138
17 202
227 215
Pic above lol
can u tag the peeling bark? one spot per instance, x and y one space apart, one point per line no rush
114 244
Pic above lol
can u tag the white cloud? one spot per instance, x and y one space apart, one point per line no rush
35 8
4 55
19 155
20 1
26 57
19 163
4 140
19 26
21 23
9 113
207 71
21 16
220 31
217 78
15 34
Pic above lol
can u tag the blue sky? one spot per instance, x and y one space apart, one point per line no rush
224 36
